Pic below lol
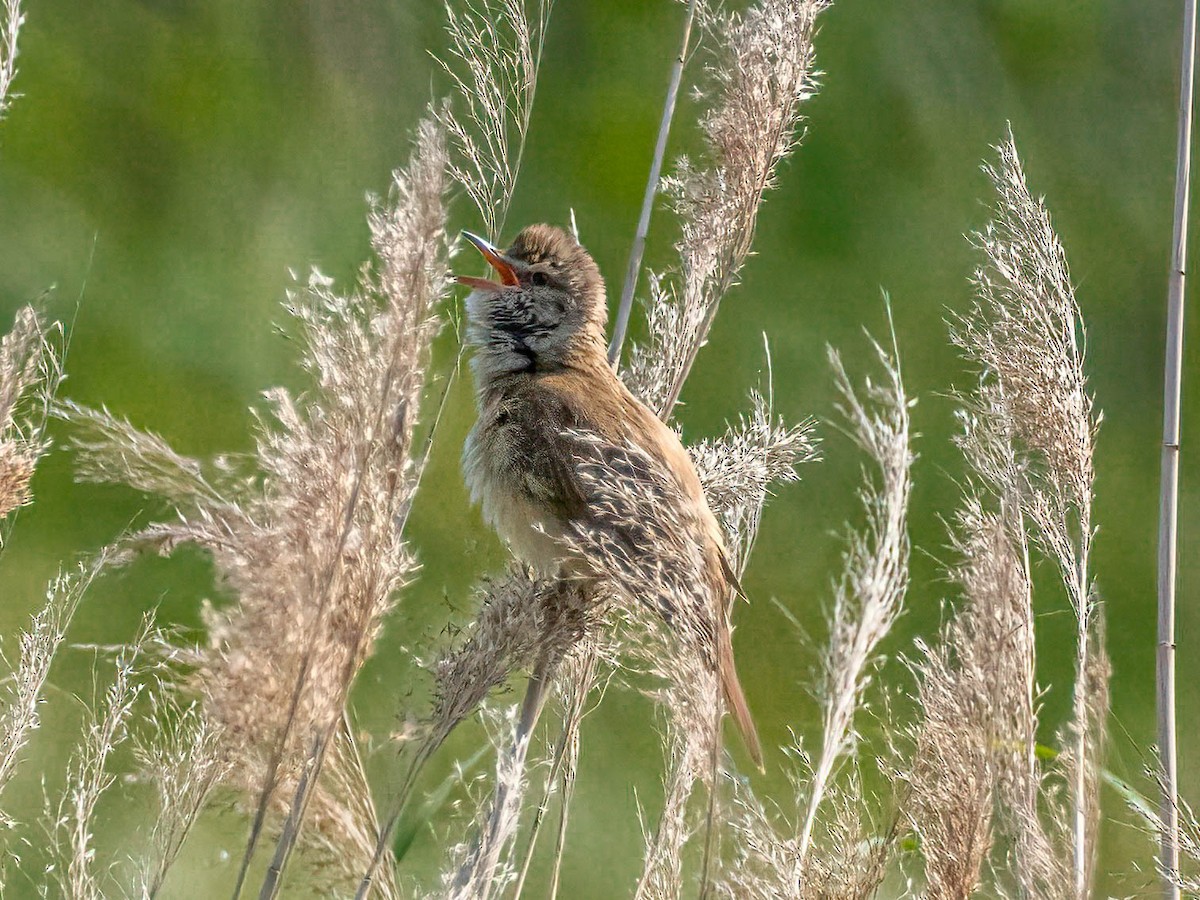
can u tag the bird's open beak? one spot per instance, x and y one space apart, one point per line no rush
504 268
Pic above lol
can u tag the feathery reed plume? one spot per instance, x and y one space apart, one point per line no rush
855 853
762 70
11 20
486 867
30 373
21 715
740 469
875 576
976 740
520 620
312 547
342 823
779 859
1030 436
181 757
69 826
995 577
391 349
497 46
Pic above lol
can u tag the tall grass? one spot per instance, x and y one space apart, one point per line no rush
308 534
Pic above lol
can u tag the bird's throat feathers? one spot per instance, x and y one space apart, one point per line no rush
504 346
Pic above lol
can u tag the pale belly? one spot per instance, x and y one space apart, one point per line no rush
531 534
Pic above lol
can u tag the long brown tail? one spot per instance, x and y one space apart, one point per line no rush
734 697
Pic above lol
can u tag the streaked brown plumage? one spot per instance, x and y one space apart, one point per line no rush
541 375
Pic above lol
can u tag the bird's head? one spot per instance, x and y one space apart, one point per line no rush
546 307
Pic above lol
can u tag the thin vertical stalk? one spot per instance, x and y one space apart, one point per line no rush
1169 487
1082 847
643 228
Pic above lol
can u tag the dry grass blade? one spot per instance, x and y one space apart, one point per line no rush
875 577
21 715
1030 436
11 20
181 757
761 72
1185 876
495 51
69 827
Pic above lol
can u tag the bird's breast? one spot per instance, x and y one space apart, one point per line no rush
496 470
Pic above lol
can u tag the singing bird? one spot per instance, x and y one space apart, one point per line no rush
542 375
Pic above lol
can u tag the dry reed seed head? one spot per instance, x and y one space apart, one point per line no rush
20 359
108 448
338 475
1030 433
761 71
740 469
1025 333
989 649
310 543
69 825
20 712
854 857
341 827
868 598
974 727
29 376
520 620
1187 877
16 471
11 20
180 755
484 865
1088 732
493 57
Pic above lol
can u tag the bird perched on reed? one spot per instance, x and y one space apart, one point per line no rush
542 379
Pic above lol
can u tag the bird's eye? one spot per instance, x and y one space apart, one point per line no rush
539 279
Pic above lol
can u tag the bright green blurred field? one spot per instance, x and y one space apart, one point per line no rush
169 161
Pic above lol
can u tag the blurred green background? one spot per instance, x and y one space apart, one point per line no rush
168 162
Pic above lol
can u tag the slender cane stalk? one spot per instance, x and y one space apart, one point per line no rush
1169 489
643 227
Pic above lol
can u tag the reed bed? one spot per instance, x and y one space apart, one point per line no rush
957 796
